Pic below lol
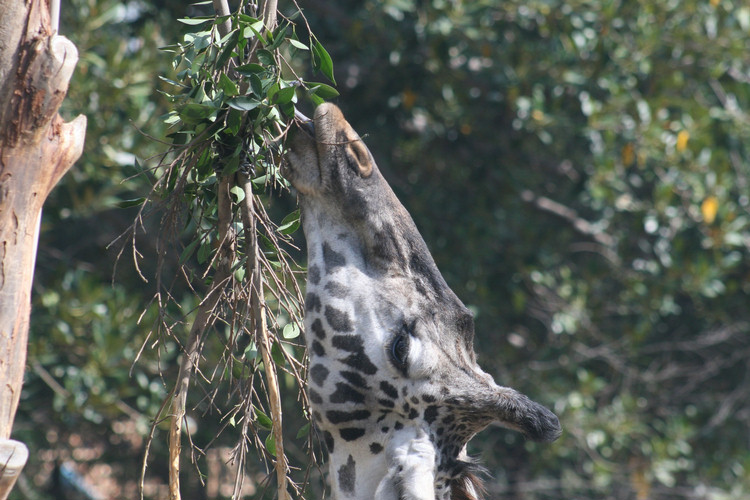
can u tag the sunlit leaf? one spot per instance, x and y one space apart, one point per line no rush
290 223
682 140
297 44
709 209
194 21
290 331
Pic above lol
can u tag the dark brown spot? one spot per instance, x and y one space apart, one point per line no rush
318 348
430 414
337 289
332 258
314 396
340 417
312 302
389 390
346 394
317 328
313 275
318 374
328 439
347 475
339 320
355 379
351 433
376 448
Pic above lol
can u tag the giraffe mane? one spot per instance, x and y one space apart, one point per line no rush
469 485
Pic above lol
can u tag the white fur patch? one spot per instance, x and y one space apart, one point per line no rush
411 467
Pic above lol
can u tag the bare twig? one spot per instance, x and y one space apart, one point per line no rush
260 331
203 319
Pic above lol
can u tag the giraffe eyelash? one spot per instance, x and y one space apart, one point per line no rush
399 349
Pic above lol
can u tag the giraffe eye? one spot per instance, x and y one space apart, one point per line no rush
400 349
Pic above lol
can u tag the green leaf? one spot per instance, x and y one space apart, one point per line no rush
271 444
323 90
266 57
227 86
243 103
251 351
256 85
239 274
194 113
194 21
297 44
228 49
130 203
238 192
322 61
232 165
316 99
290 331
283 96
188 251
290 223
260 181
250 68
262 419
303 431
253 30
234 121
205 251
277 353
278 37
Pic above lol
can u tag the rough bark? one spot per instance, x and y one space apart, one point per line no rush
37 147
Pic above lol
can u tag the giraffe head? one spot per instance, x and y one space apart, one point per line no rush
394 384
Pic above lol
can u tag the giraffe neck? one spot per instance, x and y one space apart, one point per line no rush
370 455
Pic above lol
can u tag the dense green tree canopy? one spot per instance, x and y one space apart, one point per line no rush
579 170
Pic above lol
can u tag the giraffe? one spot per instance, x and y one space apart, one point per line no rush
394 386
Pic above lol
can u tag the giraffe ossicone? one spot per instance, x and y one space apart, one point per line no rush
394 385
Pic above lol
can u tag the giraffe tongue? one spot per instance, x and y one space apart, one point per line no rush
305 123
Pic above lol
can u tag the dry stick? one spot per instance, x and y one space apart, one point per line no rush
202 320
257 306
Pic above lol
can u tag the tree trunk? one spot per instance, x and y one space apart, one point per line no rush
36 149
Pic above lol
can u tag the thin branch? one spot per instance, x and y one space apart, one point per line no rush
260 331
203 319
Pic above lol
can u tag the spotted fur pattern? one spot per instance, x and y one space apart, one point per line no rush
395 389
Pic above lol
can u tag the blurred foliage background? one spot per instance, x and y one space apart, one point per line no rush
580 172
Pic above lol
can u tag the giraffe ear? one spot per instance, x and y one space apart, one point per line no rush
359 156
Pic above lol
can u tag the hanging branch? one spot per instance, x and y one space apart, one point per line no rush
233 105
